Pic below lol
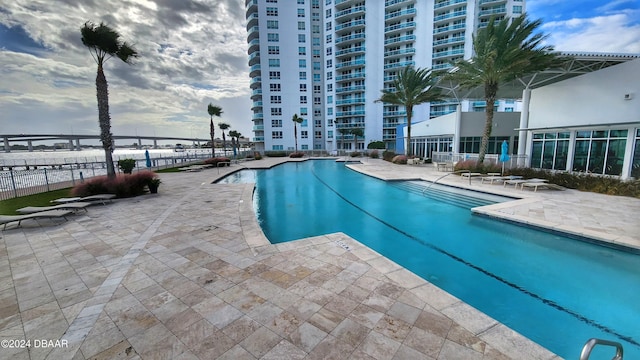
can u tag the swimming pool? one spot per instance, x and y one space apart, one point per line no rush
555 290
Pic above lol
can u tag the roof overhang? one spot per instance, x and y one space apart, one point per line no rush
577 64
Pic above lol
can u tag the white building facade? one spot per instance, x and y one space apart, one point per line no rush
328 60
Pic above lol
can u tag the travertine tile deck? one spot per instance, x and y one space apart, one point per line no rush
187 274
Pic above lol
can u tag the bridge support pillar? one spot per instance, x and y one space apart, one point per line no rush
7 148
71 144
30 145
78 148
155 144
139 143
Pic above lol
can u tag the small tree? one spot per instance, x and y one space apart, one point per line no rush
235 143
217 111
356 132
223 127
296 120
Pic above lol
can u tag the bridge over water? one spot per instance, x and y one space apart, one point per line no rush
74 139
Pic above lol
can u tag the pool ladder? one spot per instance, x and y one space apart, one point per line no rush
586 350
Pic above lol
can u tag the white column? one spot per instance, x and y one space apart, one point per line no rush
524 124
7 147
456 132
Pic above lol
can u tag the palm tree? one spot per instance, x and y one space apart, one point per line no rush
104 43
503 51
235 135
412 87
356 132
296 120
223 127
217 111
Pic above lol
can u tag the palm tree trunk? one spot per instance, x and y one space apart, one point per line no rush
409 114
224 143
295 134
212 131
490 99
105 120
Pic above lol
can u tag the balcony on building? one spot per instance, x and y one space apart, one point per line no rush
343 40
447 3
258 116
349 113
350 64
350 26
487 13
256 93
256 105
445 29
400 14
351 12
352 76
450 16
253 33
258 127
396 4
399 27
350 89
354 50
399 64
258 139
350 101
254 58
492 2
341 4
254 70
454 40
399 52
252 20
254 45
449 53
399 40
255 82
394 113
251 6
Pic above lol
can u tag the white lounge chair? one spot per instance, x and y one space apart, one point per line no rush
491 179
6 219
536 185
74 206
103 198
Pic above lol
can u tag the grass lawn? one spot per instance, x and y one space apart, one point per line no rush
9 207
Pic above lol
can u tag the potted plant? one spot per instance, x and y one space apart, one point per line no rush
153 185
127 165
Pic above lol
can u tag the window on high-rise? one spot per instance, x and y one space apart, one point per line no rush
274 75
301 38
315 4
517 9
302 63
302 50
328 26
276 134
271 11
276 111
329 75
303 87
329 37
303 99
302 75
301 25
274 87
273 37
304 134
316 41
276 99
316 77
303 111
276 123
272 24
327 13
273 50
300 12
316 89
274 62
318 134
317 100
300 2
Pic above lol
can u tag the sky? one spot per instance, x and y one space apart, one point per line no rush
192 53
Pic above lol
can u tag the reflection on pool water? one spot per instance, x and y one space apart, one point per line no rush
555 290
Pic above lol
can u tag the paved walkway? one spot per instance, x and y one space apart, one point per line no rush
188 274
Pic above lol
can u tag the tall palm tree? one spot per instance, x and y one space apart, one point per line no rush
223 127
503 51
217 111
296 120
104 43
412 87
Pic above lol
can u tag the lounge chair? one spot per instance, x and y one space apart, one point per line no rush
74 206
103 198
50 214
536 185
491 179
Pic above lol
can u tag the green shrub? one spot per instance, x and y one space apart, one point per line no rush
257 156
296 154
275 153
374 154
388 155
474 166
126 165
214 161
355 154
123 185
376 145
400 159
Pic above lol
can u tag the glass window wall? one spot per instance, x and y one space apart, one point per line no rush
600 151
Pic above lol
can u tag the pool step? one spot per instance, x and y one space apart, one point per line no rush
457 198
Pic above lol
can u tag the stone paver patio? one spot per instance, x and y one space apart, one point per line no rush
188 274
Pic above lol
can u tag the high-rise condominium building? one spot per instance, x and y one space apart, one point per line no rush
328 60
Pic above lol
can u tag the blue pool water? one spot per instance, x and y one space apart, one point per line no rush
555 290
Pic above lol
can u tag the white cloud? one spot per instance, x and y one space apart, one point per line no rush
615 33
